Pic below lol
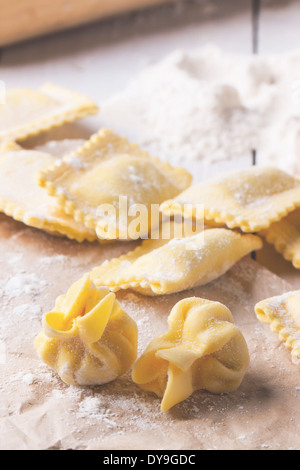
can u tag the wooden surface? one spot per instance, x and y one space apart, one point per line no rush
20 20
100 60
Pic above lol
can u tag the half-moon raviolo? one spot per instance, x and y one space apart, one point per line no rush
160 267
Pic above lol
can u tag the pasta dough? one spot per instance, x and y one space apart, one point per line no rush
166 266
90 184
285 236
202 350
88 339
250 199
28 112
282 313
23 199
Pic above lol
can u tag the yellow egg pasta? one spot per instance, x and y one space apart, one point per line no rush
202 350
28 112
106 179
87 339
282 313
250 199
24 200
166 266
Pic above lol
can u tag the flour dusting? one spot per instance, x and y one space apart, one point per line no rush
22 283
207 105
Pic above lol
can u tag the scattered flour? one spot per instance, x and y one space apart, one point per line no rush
93 408
61 147
97 409
27 379
15 260
180 112
48 260
22 283
27 311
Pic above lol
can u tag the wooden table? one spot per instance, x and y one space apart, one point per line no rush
101 59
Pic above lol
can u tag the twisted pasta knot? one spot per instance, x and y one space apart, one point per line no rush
88 339
202 349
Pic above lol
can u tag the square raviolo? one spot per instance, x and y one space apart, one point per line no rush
24 200
250 199
28 112
109 180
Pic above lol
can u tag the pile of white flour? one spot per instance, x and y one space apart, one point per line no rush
208 105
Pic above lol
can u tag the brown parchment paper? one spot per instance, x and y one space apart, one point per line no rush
38 411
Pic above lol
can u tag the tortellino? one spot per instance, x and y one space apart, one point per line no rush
166 266
250 199
282 313
202 350
111 186
87 339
